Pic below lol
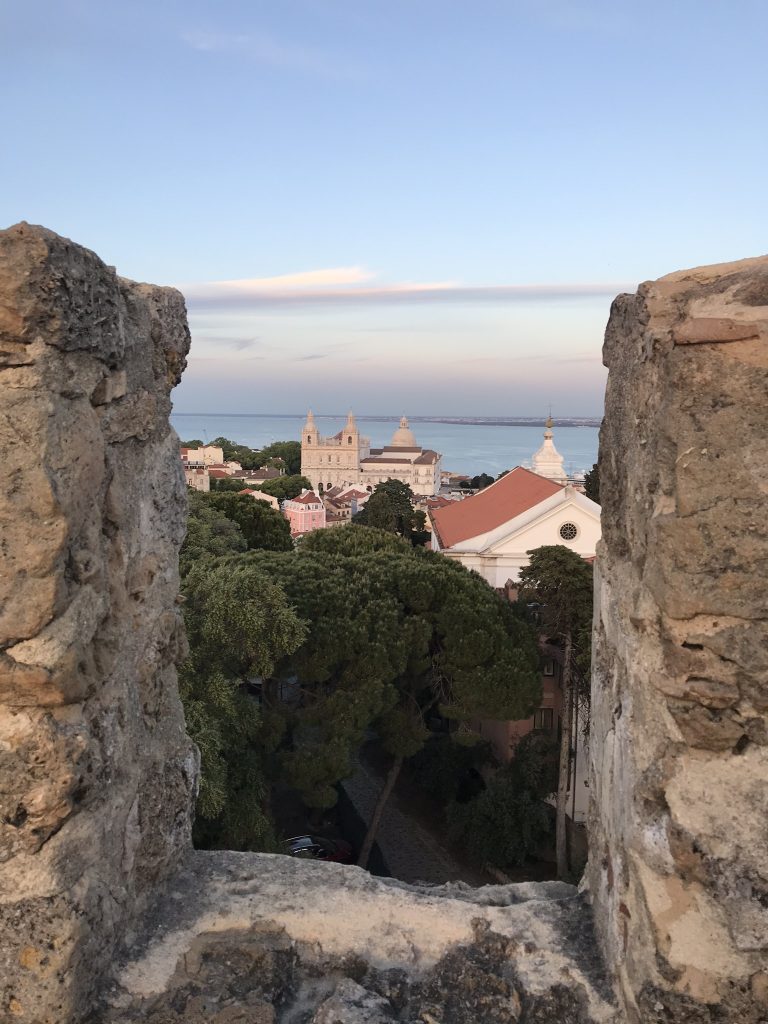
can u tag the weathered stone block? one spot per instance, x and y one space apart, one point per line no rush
679 832
95 798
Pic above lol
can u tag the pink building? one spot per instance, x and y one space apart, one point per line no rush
304 513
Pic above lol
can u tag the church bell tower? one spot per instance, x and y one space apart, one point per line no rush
310 444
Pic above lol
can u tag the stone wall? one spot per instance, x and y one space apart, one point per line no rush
679 747
96 772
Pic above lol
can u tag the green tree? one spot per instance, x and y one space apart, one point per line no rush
560 582
341 673
353 539
288 452
283 487
390 508
394 636
239 626
481 481
469 658
592 483
225 483
210 534
261 525
510 819
234 452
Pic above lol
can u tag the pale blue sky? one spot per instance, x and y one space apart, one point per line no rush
408 168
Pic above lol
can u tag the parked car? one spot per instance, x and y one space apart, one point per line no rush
317 848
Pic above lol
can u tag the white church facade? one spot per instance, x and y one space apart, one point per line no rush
493 531
346 459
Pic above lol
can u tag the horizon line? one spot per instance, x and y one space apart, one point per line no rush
437 417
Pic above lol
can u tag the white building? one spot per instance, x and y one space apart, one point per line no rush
347 460
493 531
208 455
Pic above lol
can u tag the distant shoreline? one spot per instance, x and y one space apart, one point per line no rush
470 421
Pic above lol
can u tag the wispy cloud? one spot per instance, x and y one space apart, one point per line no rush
304 280
225 341
348 286
266 49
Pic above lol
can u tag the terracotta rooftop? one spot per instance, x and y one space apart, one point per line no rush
502 501
218 474
427 456
308 498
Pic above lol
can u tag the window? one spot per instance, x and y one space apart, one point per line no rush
349 440
309 440
544 720
569 531
549 667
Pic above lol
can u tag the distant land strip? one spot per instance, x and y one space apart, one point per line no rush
470 421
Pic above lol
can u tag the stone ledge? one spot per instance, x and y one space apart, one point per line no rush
259 938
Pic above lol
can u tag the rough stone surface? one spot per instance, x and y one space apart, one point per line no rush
96 772
679 744
254 937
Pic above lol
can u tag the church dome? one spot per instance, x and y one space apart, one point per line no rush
403 436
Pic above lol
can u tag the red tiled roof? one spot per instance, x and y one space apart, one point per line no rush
427 456
400 448
308 498
502 501
438 502
217 474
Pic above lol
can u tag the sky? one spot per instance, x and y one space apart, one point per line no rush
420 206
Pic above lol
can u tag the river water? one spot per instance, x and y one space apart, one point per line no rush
466 447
